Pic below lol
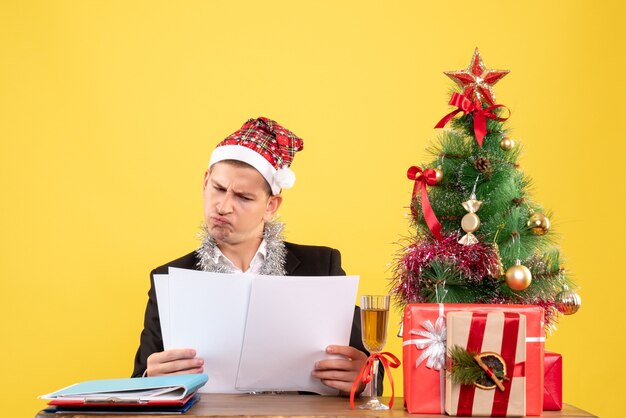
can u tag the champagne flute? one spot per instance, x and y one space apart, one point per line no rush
374 316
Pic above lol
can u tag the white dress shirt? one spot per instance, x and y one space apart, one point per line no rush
255 265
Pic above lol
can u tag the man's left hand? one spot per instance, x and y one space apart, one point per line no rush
340 373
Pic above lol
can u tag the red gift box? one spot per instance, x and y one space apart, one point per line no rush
553 382
424 350
496 332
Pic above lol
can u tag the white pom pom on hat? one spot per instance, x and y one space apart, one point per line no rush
284 178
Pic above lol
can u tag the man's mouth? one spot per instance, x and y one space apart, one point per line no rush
220 221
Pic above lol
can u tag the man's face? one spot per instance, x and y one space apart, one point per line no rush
236 203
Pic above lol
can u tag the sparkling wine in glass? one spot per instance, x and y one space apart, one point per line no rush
374 316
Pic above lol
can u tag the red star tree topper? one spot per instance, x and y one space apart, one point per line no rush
476 80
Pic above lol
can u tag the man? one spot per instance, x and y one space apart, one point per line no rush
241 193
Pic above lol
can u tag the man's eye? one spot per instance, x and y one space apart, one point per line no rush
247 199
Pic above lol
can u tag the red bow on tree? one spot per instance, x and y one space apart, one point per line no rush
464 104
423 178
366 374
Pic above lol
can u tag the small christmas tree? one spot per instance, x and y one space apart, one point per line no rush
480 237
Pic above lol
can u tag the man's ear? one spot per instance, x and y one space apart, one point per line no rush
206 179
273 203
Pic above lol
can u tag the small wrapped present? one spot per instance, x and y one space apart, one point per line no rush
424 348
486 373
553 382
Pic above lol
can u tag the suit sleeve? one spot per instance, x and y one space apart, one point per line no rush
151 340
355 335
335 264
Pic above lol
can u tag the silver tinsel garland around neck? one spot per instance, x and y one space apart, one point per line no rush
273 264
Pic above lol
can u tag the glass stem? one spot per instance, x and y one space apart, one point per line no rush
375 380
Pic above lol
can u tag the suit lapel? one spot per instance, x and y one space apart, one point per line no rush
291 262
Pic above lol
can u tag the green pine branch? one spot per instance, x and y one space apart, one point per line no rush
464 370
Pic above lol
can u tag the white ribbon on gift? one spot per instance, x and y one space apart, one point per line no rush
433 343
535 339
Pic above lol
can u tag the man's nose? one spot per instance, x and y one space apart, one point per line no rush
225 205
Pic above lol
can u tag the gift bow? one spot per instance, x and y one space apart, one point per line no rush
433 343
466 105
366 373
423 178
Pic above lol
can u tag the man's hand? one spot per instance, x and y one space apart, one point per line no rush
175 361
340 373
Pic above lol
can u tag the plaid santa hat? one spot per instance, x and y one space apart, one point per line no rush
266 146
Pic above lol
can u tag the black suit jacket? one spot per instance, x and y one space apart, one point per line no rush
301 260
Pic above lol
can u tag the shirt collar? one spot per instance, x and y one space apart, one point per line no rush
255 264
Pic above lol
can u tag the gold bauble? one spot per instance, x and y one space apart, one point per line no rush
470 222
507 144
518 277
539 223
567 302
438 174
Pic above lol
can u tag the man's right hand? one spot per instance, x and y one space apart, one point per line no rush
175 361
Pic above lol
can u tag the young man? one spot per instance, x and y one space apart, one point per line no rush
241 192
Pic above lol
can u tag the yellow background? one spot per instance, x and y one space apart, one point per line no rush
109 111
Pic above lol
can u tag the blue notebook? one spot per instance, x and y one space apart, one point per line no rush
128 390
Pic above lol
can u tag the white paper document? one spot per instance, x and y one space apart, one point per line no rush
255 332
291 321
207 312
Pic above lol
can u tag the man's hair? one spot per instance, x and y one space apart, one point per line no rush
241 164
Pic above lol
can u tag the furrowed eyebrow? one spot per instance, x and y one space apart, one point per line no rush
238 194
217 184
244 194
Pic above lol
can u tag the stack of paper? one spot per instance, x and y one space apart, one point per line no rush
256 333
149 395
